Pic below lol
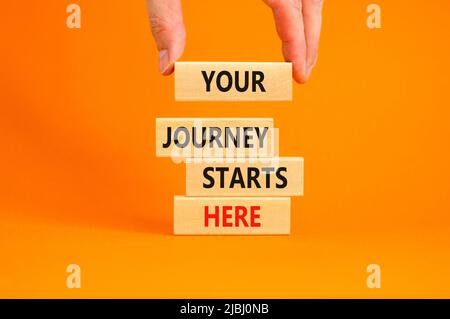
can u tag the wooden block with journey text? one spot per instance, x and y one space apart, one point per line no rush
281 176
231 215
215 137
233 81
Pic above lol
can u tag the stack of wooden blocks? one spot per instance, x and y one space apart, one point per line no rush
236 184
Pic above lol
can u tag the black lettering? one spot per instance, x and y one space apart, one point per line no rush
261 135
281 177
247 137
208 80
215 133
222 171
237 178
219 81
252 176
195 136
176 136
245 87
169 138
208 177
258 78
268 171
234 138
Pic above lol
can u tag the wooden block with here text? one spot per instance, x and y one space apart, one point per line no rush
281 176
233 81
231 215
215 137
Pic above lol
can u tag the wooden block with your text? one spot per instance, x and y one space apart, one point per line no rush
233 81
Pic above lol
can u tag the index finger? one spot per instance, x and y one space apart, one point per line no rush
289 23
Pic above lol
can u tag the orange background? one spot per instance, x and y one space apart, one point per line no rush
80 182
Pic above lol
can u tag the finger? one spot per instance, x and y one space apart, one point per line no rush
289 22
166 19
312 18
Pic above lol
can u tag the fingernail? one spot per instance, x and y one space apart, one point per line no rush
304 74
309 71
163 60
310 67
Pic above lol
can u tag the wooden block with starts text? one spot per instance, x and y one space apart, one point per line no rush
281 176
233 81
231 215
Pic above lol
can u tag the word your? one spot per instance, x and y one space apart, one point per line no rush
257 78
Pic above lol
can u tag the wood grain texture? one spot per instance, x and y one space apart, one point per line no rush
209 150
191 85
197 183
273 216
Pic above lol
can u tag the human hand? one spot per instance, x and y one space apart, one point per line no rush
298 24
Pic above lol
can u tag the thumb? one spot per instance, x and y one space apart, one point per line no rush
166 19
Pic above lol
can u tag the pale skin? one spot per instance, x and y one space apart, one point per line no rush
298 24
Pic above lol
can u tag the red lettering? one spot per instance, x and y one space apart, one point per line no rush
254 216
227 216
241 216
215 216
233 216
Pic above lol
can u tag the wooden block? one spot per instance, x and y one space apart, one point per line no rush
215 137
281 176
233 81
231 215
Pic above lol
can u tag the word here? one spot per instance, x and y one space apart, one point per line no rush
231 216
